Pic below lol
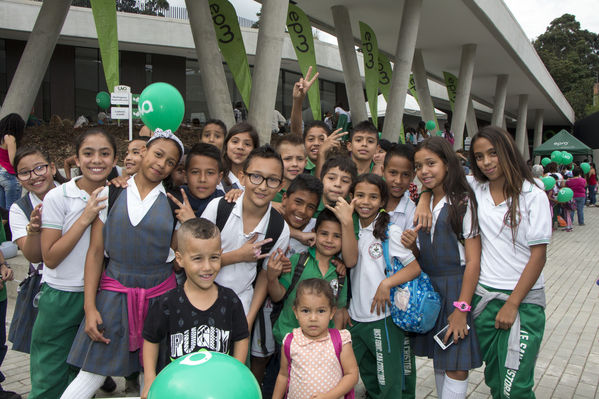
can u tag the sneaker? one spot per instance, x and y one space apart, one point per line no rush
109 385
132 388
9 395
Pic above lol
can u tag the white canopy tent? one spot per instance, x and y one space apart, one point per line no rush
411 108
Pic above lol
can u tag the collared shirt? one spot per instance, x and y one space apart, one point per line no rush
503 260
235 183
138 208
367 275
240 276
287 321
403 214
279 196
63 205
18 219
296 246
310 167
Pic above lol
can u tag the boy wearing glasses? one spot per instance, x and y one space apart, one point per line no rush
243 235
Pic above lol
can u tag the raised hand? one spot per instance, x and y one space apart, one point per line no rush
251 250
343 210
333 141
35 219
301 87
275 265
184 213
94 205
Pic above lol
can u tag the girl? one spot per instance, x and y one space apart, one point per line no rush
214 132
453 266
11 131
515 231
240 141
68 211
578 185
377 341
38 175
592 185
318 362
136 234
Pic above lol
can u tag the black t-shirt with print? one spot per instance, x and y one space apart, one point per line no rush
180 328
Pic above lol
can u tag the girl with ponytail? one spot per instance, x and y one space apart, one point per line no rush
375 338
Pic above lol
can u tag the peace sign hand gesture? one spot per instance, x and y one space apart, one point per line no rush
301 87
343 210
184 213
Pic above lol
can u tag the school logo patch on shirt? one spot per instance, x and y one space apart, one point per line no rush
507 219
375 250
335 286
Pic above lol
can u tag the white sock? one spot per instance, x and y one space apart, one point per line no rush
454 389
439 380
84 386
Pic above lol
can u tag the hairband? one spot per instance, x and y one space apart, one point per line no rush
167 134
382 210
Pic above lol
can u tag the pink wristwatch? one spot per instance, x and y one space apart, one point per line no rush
462 306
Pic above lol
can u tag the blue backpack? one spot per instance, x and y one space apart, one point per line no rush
424 304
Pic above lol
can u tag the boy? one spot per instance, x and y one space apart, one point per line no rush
243 234
315 133
299 204
316 263
204 170
198 315
133 156
292 151
363 144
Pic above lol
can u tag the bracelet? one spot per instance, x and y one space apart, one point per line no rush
426 190
5 264
30 230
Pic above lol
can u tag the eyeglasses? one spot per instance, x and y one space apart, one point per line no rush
39 170
271 182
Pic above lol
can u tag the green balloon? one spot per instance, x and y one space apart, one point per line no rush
586 167
556 156
103 100
565 195
203 375
440 133
431 125
161 106
567 158
549 182
545 161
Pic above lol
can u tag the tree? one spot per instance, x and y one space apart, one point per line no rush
571 56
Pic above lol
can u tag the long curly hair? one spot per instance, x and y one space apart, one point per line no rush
383 218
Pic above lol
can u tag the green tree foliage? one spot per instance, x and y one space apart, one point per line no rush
149 7
572 57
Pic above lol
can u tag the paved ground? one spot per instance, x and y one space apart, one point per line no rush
568 364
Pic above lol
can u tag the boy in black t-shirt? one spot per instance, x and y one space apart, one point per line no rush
198 315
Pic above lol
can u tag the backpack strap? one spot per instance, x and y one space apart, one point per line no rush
113 194
287 351
276 223
223 212
385 244
297 273
337 343
25 204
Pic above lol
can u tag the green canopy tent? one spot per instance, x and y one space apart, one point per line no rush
563 141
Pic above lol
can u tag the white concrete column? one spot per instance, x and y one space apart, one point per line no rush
267 66
212 72
463 94
471 123
404 53
500 94
349 63
35 59
538 137
427 109
521 133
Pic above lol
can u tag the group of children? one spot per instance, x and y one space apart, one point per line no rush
274 255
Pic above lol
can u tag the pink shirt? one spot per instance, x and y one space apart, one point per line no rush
314 365
5 161
577 184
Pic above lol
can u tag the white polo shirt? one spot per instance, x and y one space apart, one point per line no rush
368 273
233 179
466 226
240 276
503 260
62 207
403 214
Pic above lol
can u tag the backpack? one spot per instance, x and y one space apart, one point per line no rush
337 343
424 302
277 307
276 223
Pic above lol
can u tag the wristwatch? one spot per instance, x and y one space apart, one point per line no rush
462 306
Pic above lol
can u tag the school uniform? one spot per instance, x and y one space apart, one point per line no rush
240 277
443 258
295 246
137 238
235 183
509 369
60 306
377 342
24 313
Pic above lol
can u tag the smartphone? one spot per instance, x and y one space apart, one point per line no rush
441 335
342 123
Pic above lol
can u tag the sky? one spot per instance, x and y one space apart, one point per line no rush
533 15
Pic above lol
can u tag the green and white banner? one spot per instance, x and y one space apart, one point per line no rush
412 88
300 33
451 82
104 12
370 50
385 72
230 42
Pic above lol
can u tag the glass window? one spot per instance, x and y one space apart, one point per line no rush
196 108
87 71
3 82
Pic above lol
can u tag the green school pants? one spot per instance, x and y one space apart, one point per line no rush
507 383
380 359
409 370
59 315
